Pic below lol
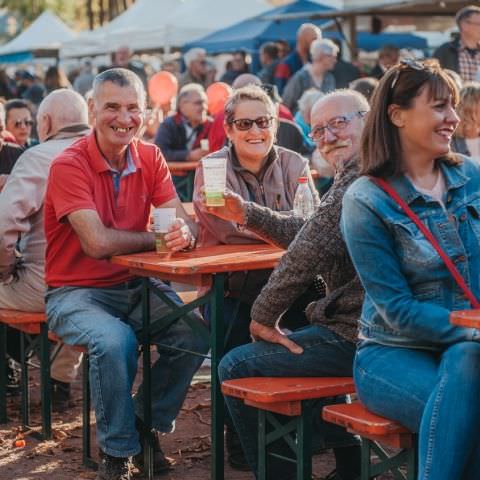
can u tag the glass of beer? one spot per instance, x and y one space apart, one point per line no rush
162 219
215 179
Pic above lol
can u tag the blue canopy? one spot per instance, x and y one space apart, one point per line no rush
250 34
371 42
17 57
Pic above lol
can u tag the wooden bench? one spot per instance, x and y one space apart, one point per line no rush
35 323
28 323
290 396
375 432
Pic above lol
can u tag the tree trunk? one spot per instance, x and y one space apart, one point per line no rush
91 20
101 12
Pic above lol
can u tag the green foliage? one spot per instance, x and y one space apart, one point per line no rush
73 12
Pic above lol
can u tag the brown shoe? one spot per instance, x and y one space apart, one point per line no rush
161 463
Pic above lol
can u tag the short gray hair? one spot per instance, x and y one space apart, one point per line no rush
466 12
188 89
323 46
247 94
307 100
121 77
193 54
360 102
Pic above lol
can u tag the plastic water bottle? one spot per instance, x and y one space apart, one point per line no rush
303 202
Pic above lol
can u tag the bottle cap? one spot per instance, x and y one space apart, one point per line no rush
302 179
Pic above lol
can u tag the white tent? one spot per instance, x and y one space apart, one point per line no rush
46 34
152 24
201 17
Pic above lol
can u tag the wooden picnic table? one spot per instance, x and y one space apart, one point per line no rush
186 170
205 267
466 318
182 168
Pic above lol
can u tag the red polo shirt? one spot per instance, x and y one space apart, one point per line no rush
80 178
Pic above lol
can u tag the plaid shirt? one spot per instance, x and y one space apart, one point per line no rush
469 63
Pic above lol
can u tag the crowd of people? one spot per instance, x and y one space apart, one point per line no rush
82 163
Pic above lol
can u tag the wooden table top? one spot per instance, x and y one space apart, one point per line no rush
176 167
466 318
202 261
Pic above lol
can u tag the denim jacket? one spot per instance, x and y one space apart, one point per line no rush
409 290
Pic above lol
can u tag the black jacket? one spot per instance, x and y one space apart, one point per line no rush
447 55
171 138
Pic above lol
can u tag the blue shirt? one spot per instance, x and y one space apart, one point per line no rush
409 290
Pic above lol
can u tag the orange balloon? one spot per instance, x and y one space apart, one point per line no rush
217 94
162 87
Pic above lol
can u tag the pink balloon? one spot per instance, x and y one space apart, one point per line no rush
162 87
217 94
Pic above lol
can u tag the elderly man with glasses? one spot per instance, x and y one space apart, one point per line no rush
180 136
316 255
196 68
462 55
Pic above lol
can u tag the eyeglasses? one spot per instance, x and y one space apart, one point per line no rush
404 65
244 124
334 125
27 123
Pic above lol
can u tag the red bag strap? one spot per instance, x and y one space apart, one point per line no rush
385 186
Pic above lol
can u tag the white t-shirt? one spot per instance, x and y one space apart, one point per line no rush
437 192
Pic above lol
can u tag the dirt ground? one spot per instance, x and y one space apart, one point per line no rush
61 458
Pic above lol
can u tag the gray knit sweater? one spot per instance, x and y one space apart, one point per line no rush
318 249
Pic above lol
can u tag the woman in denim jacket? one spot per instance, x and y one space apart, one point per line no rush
412 364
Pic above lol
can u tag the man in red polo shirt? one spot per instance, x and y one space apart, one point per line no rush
100 191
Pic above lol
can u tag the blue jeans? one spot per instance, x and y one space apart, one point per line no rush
325 355
108 321
433 393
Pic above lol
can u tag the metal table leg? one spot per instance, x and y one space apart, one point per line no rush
45 382
216 336
25 388
147 402
3 373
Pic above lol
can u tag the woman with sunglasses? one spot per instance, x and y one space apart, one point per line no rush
19 122
258 171
412 364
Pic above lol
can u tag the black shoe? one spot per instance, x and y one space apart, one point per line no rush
333 475
60 396
161 463
113 468
235 455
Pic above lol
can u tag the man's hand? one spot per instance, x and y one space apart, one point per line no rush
234 209
273 335
196 154
179 236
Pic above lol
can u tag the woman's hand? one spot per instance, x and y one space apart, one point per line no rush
273 335
233 210
179 236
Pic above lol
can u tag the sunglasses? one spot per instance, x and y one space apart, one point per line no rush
27 123
405 64
244 124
